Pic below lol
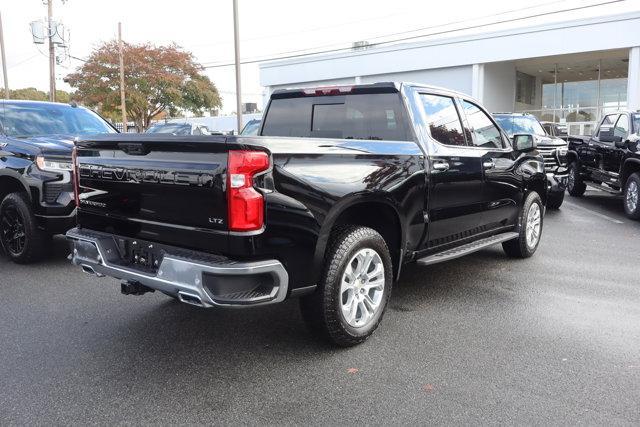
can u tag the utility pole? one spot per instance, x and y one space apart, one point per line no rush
4 61
123 106
52 53
236 42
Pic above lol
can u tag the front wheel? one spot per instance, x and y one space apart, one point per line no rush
530 224
351 299
20 236
575 186
555 199
632 196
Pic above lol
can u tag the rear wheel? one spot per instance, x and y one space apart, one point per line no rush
575 186
20 236
530 224
349 304
632 196
555 199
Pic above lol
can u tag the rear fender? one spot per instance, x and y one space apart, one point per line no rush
342 206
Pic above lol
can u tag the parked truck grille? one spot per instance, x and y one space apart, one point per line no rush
548 155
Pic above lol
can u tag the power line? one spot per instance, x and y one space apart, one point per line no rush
253 61
314 29
446 24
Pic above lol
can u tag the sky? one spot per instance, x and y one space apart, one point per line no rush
268 28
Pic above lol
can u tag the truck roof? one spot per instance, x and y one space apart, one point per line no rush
379 87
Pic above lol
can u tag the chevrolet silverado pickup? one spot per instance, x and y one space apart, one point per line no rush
609 160
341 187
36 191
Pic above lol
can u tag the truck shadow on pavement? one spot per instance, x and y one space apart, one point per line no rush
166 326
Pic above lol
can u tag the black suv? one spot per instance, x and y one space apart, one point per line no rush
36 186
609 160
552 148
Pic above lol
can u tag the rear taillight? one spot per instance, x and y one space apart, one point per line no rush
76 176
246 204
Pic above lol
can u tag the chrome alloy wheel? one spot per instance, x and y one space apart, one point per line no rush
631 198
362 288
571 179
533 225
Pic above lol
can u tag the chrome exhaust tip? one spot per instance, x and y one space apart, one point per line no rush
188 298
89 270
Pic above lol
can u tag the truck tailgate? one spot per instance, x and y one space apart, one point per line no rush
164 188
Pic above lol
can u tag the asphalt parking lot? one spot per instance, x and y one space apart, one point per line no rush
554 339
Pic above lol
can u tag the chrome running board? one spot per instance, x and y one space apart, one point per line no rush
463 250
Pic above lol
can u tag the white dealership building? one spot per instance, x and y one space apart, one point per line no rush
568 72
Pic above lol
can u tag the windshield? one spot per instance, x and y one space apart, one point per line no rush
50 119
520 124
172 128
251 128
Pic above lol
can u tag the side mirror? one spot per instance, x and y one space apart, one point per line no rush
620 143
607 135
524 142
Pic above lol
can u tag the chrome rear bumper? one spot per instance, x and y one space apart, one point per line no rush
197 280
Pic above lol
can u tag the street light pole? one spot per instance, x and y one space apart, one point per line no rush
123 106
4 61
236 42
52 54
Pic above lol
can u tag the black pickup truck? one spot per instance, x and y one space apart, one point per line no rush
343 186
552 148
609 160
36 192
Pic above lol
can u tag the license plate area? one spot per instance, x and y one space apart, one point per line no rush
140 255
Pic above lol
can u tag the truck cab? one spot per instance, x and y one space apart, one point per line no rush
609 160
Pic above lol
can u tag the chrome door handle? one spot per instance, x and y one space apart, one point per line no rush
489 164
440 165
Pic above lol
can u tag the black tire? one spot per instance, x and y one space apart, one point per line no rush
575 186
520 248
555 199
322 310
23 242
631 199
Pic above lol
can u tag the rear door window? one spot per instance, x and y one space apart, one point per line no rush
443 119
376 116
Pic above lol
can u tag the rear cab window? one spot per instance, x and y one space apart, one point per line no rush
367 116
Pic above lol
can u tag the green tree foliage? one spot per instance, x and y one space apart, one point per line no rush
33 94
157 78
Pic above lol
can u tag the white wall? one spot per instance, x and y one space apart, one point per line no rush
499 92
456 78
633 85
584 35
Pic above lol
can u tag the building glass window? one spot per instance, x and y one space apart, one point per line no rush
525 88
576 93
